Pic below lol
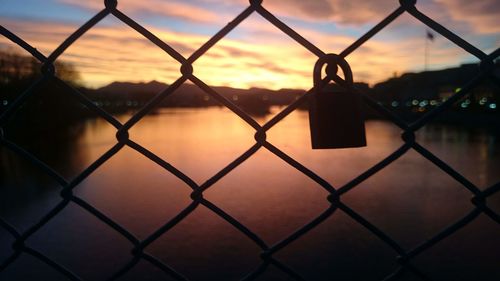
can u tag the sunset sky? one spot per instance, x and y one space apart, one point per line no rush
255 54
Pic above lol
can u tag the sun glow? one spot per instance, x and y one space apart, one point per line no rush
254 54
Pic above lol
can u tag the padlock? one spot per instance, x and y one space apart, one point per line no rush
335 112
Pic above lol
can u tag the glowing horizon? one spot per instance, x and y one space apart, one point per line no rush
255 54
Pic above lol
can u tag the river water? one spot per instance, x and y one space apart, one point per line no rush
411 200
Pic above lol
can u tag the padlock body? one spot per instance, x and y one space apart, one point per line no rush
336 119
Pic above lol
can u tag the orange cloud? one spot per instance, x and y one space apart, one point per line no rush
341 11
180 10
265 58
482 16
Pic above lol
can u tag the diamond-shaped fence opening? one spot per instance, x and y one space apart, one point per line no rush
470 161
407 220
201 240
214 137
336 249
117 47
273 188
74 235
163 193
469 247
257 55
271 257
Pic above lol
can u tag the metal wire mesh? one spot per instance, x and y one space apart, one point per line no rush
404 257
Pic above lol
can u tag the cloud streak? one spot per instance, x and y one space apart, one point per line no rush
343 12
174 9
259 55
481 15
354 12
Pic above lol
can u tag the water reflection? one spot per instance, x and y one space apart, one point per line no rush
411 200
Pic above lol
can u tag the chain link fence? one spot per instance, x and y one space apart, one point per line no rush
139 247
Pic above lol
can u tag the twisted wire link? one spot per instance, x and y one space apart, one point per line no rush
139 247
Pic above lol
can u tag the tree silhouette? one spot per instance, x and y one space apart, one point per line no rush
49 108
47 121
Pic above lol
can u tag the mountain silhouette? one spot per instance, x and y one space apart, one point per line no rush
131 87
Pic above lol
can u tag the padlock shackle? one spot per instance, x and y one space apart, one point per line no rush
332 60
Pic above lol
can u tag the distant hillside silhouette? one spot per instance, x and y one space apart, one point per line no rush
133 88
428 84
410 95
255 100
413 94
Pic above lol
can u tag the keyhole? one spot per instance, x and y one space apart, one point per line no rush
331 69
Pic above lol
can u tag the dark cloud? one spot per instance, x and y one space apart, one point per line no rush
346 12
481 15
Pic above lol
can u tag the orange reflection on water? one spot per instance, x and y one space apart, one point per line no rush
410 200
201 142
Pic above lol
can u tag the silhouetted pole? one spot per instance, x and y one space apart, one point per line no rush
428 37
